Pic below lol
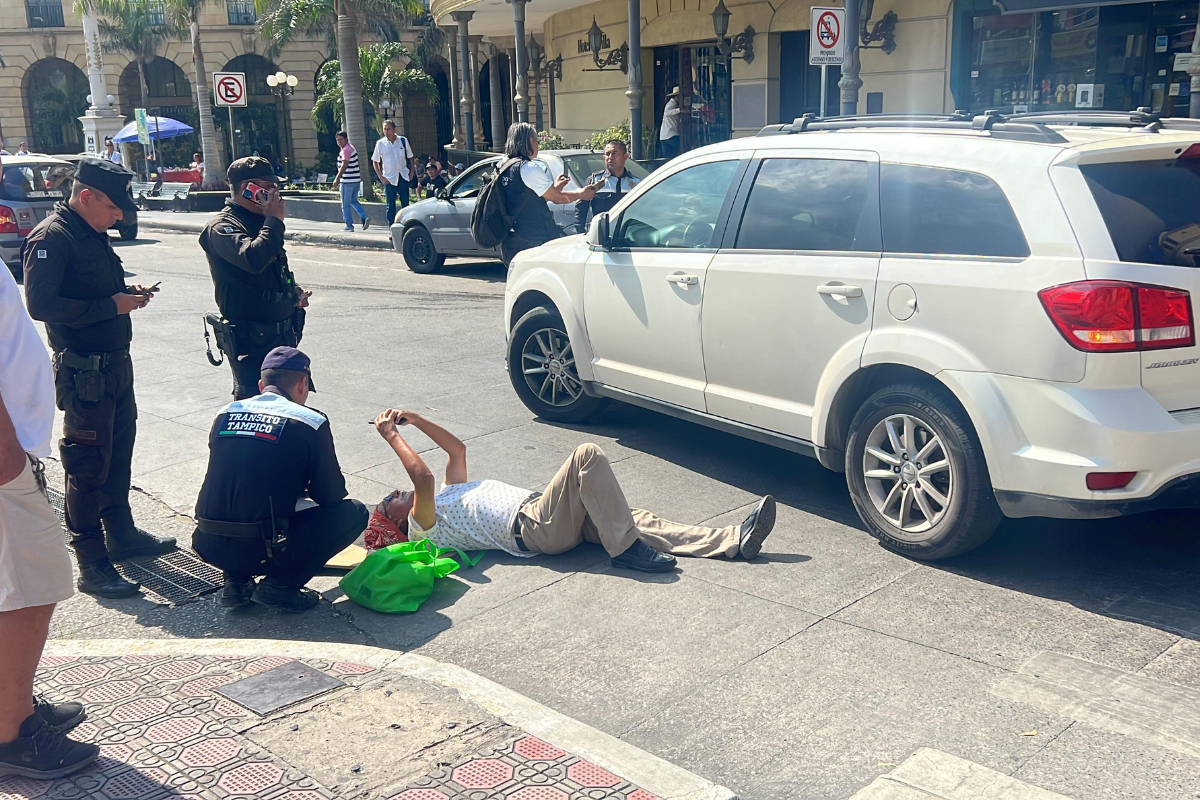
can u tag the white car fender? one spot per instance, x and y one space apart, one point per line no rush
566 292
844 363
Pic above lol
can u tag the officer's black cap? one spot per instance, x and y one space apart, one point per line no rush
289 358
109 178
252 168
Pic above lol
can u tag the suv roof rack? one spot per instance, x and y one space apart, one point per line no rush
991 121
1141 118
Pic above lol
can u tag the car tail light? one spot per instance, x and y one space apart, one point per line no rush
1191 153
1099 481
8 220
1115 316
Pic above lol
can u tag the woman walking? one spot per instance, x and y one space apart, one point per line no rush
349 177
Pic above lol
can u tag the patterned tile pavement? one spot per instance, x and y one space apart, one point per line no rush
164 733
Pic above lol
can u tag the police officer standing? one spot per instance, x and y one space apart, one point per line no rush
266 454
256 291
611 184
74 283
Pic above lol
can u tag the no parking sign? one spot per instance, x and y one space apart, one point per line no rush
229 88
826 39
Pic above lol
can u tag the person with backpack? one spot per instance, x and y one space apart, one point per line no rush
509 212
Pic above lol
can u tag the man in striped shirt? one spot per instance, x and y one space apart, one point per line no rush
349 177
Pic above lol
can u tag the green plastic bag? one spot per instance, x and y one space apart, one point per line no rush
398 578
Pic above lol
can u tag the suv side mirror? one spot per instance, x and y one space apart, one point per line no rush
598 233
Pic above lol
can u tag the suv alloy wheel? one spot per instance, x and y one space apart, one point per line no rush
917 475
541 365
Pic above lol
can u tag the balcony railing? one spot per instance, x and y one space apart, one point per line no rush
44 13
241 12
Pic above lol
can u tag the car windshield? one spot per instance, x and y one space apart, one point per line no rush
1141 201
36 182
582 166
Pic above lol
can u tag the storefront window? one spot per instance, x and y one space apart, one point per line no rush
1114 57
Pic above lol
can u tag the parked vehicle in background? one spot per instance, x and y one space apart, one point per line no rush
127 228
970 317
428 231
29 188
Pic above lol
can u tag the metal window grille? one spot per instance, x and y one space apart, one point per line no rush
241 12
44 13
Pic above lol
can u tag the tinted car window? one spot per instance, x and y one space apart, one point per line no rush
806 204
36 183
1142 200
681 211
946 211
473 181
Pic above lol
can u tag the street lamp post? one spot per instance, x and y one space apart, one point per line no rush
740 43
283 86
541 69
617 57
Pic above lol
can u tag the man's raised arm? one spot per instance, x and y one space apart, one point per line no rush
456 466
424 510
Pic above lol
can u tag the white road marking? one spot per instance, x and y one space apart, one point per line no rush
930 773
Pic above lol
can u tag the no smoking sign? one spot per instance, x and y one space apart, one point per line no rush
826 44
229 88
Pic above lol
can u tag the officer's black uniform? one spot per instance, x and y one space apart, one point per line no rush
533 223
71 274
607 196
265 454
255 289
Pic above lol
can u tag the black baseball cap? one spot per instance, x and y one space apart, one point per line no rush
109 178
252 168
289 358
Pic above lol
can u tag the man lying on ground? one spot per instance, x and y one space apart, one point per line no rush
583 502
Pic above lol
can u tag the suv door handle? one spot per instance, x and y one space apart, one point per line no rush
683 280
839 290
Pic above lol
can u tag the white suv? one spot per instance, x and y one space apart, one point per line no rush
970 317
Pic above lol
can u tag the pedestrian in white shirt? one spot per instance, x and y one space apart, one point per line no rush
23 149
111 153
668 134
197 165
583 502
35 568
391 160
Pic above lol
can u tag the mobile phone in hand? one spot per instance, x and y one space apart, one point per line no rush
255 194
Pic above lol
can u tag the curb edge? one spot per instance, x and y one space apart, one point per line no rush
655 775
299 237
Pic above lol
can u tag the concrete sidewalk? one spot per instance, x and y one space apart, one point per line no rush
377 237
376 724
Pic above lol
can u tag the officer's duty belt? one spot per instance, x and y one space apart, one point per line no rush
282 326
94 362
240 530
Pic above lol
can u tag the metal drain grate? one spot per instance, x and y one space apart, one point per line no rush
174 578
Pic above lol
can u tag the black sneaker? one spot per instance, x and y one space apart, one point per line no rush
757 527
284 598
42 753
644 558
60 716
237 592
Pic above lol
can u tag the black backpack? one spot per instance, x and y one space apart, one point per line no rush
492 219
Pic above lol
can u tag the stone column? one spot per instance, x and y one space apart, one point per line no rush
496 98
512 83
476 105
455 91
634 93
521 90
464 57
100 119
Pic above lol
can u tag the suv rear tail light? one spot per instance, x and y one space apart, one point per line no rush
1192 152
1100 481
8 220
1115 316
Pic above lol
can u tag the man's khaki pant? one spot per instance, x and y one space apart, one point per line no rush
584 503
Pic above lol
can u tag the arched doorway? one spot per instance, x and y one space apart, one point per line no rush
168 94
485 97
260 127
439 70
55 93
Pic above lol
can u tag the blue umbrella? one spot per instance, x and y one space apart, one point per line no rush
159 127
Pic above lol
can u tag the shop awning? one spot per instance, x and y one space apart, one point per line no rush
1026 6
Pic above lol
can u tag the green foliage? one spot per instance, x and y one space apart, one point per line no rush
596 140
382 78
136 27
56 108
551 141
279 21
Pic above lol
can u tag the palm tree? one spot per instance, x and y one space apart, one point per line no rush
136 27
185 14
381 79
280 20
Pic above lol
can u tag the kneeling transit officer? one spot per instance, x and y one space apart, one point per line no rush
252 518
74 283
261 304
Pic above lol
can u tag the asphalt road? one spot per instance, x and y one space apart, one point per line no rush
1064 654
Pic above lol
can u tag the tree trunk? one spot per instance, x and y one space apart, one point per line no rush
142 85
352 91
214 168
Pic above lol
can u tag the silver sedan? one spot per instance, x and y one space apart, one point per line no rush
428 231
